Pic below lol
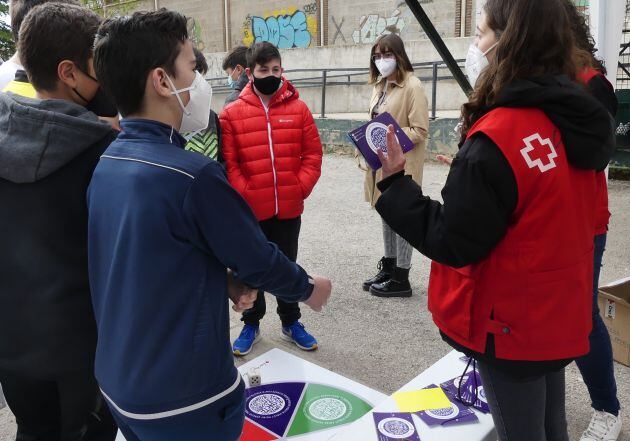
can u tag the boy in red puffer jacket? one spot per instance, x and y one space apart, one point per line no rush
273 157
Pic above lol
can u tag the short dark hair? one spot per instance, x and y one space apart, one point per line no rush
20 8
262 53
235 57
54 32
201 65
128 48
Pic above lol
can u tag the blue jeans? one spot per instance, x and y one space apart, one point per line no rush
597 366
220 421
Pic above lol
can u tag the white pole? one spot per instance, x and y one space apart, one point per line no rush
607 19
321 22
156 5
226 24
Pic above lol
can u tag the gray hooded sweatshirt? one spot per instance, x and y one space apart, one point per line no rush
48 151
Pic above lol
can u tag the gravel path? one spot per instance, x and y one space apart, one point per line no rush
384 343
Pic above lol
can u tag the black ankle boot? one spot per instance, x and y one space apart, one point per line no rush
386 268
397 286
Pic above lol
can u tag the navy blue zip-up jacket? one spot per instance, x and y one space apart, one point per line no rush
164 225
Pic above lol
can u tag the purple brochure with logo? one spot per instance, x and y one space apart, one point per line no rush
467 390
373 136
395 427
456 414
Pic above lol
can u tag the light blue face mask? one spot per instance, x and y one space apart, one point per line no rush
230 82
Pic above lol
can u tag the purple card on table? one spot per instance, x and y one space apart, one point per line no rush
395 427
468 383
456 414
372 136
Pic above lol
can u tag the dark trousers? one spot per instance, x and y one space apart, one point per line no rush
285 233
597 366
67 408
221 421
526 410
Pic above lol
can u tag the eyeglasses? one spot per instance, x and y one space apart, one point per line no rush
386 55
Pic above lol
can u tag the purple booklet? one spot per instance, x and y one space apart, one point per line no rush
395 427
467 390
373 136
456 414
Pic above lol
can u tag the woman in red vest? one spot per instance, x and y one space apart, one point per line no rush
512 243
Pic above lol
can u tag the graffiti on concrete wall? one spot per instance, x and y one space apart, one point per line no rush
195 33
338 32
373 26
284 28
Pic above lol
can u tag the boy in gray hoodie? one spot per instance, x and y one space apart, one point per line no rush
49 147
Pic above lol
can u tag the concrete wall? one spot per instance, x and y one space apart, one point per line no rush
354 99
301 23
363 21
206 21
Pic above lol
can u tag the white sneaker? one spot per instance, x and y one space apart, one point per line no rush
603 427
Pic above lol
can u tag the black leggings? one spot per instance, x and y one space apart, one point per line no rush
526 410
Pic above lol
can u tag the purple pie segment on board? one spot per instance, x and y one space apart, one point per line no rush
372 136
272 405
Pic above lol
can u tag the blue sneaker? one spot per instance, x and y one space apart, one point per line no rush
298 335
244 343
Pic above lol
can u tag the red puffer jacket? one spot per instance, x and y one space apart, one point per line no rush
273 156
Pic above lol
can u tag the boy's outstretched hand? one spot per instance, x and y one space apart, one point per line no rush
241 295
320 295
394 160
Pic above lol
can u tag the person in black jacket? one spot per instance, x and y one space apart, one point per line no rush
524 58
597 366
49 147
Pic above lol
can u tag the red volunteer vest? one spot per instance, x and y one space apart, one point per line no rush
603 214
534 290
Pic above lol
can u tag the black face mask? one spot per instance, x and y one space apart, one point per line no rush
268 85
100 104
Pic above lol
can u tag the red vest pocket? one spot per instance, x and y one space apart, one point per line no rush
452 310
539 308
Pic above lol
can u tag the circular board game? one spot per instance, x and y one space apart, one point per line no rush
295 409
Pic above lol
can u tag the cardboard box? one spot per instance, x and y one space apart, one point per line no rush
614 307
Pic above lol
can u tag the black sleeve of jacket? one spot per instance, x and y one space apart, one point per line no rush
601 90
218 125
480 196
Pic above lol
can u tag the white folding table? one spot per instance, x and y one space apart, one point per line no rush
448 367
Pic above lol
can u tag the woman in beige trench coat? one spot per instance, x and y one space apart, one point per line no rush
397 91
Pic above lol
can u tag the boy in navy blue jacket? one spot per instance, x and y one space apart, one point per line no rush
165 225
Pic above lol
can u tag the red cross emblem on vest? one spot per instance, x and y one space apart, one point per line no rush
539 152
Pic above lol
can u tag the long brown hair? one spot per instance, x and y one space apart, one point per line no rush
536 39
583 38
394 44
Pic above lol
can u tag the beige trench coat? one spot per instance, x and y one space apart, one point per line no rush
408 104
